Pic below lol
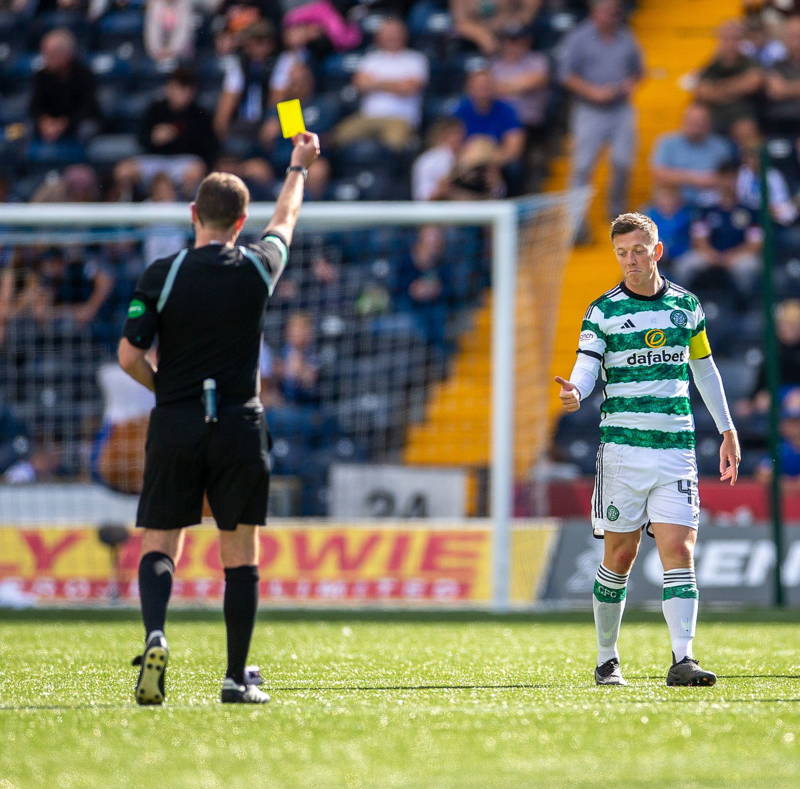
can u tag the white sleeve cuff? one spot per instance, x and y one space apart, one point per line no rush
709 383
584 373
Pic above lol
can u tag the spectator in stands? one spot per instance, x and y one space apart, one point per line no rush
14 442
673 219
774 12
789 447
430 175
178 136
291 390
483 114
601 65
176 125
787 329
759 45
726 237
748 188
256 172
327 287
319 19
745 133
783 85
244 100
318 183
239 15
75 289
21 292
690 157
299 85
118 451
169 29
63 96
77 184
477 175
288 67
297 366
480 23
20 462
26 7
422 287
162 240
390 79
522 77
730 84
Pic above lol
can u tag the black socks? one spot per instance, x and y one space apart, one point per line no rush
155 585
241 602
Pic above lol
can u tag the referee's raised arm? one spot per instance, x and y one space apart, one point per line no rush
287 208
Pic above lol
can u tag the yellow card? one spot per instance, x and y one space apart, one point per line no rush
290 114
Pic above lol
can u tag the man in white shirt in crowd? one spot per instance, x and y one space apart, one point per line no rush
390 80
430 175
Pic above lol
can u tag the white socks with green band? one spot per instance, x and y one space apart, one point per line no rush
608 603
679 604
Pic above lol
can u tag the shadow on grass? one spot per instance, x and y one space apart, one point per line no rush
621 697
62 615
121 706
300 688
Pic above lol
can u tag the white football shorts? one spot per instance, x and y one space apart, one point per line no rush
635 486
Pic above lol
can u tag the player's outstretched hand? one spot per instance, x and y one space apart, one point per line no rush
306 149
570 397
729 457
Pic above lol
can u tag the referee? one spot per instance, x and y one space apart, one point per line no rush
207 433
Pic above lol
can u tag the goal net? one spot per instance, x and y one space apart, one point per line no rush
403 374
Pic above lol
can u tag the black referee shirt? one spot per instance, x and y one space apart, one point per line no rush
206 307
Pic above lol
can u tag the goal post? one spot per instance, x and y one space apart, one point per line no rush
528 242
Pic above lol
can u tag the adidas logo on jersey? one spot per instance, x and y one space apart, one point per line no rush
628 324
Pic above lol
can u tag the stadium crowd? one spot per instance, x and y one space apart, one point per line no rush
126 100
706 200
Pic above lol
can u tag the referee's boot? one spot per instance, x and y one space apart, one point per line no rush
152 668
609 673
687 672
234 693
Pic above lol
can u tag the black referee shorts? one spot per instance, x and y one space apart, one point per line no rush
185 458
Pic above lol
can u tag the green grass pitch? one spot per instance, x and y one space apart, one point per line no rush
398 701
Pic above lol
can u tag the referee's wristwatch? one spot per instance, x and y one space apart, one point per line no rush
296 168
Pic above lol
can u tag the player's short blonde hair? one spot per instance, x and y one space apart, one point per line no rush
627 223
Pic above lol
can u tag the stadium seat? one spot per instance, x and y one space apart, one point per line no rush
322 112
739 378
337 70
439 105
118 27
111 148
19 68
707 452
783 156
345 189
14 108
582 452
73 20
25 185
56 154
123 110
428 17
10 24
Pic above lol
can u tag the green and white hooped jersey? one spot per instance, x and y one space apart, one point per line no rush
644 344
